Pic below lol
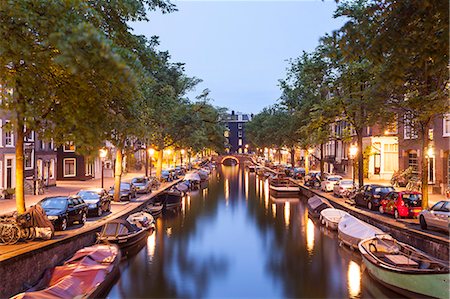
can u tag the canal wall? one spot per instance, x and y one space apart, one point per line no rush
23 269
434 245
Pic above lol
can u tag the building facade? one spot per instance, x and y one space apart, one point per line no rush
235 133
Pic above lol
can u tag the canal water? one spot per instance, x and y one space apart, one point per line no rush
233 240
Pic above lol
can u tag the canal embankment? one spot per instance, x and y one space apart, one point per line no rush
22 265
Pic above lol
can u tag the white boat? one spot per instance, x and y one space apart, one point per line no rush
351 230
283 185
316 204
192 176
330 217
404 268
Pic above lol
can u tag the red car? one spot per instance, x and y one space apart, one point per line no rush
402 204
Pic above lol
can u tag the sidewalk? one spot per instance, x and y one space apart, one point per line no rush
64 188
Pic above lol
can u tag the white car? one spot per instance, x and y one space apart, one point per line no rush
342 187
328 184
438 216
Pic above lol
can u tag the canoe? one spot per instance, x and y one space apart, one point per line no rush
405 269
351 230
127 233
330 217
316 204
88 274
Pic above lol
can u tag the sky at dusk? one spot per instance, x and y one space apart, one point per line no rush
239 48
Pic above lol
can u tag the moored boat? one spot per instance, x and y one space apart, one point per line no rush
351 230
281 184
88 274
155 209
127 233
170 199
330 217
316 204
404 268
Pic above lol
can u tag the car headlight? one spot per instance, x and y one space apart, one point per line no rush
52 217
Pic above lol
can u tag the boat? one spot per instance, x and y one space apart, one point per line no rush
204 176
155 209
90 273
351 230
330 217
276 199
405 269
193 178
170 199
183 187
282 184
127 233
316 204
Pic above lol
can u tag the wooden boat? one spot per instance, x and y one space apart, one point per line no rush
404 268
170 199
330 217
316 204
351 230
88 274
281 184
155 209
127 233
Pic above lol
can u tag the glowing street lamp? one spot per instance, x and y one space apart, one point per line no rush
103 152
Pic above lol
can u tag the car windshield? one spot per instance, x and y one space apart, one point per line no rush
334 178
139 181
54 203
88 195
383 189
125 186
346 183
413 200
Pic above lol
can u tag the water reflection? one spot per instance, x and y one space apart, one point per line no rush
247 250
354 279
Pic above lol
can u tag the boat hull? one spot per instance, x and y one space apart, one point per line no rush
410 284
127 243
348 240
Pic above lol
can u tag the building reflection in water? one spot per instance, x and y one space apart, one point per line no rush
354 279
151 245
266 194
309 235
246 184
274 210
257 187
287 213
227 190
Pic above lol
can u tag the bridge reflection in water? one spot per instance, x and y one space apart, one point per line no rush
233 240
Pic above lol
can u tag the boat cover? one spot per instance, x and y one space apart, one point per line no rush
192 176
316 201
356 228
77 277
333 215
141 219
182 187
117 228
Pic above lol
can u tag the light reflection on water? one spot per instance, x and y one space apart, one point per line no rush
222 246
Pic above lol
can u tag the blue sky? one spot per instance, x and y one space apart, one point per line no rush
239 48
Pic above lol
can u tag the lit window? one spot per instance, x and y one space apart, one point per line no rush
446 127
69 146
29 157
240 142
51 171
9 136
70 167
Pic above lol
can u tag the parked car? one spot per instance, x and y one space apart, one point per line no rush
63 211
142 184
127 191
370 195
438 216
298 173
328 184
97 199
402 204
342 187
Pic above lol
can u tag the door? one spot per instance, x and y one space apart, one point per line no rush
9 172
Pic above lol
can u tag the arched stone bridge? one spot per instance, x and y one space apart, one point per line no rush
231 159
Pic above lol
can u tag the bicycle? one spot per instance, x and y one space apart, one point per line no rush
414 185
40 187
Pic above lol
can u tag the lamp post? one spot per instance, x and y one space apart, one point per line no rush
151 152
352 153
102 153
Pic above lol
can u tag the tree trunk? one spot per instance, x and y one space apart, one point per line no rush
293 157
20 194
146 162
279 156
159 164
189 157
322 166
118 173
306 162
424 166
359 136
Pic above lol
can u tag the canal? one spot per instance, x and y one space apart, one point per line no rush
232 240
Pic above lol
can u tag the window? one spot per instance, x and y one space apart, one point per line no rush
390 157
9 136
226 133
240 134
28 134
240 142
89 168
69 167
240 126
446 127
29 157
69 146
413 162
51 171
409 131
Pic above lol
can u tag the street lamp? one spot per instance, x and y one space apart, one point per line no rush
151 152
352 152
103 153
